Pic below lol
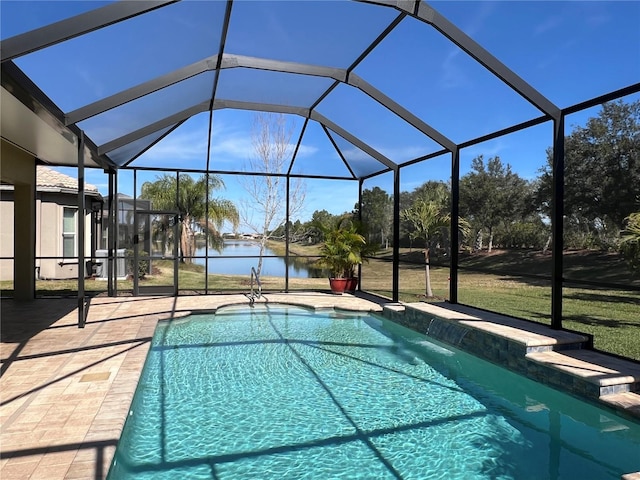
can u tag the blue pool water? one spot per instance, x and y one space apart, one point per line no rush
284 393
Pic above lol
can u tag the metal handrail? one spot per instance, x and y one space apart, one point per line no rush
253 296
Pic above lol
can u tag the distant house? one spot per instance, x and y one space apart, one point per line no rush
56 247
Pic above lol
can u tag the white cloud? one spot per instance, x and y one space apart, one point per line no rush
336 197
594 14
240 147
397 154
227 145
235 146
550 23
453 75
91 82
476 23
490 149
179 145
307 150
354 153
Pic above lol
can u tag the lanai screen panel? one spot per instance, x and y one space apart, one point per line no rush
360 162
119 56
374 124
184 147
317 156
120 156
273 88
236 138
442 84
34 15
134 115
317 33
561 48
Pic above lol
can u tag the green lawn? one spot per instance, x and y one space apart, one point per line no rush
611 316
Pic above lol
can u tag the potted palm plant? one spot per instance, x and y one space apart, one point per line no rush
340 253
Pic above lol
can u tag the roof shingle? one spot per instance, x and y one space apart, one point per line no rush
46 177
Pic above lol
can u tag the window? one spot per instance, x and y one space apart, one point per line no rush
69 232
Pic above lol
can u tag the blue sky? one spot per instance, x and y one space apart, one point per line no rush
568 51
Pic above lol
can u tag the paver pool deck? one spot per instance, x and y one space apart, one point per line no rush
65 392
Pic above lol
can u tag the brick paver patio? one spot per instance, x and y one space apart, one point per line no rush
66 392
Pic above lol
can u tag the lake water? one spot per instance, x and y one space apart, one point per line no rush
228 263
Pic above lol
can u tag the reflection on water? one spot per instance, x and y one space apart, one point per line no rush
228 262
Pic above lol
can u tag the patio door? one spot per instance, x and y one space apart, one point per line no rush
155 248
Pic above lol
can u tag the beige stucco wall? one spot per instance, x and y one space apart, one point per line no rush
31 224
49 240
18 168
32 227
49 221
49 217
6 236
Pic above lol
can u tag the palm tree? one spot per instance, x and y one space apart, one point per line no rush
342 248
430 219
188 197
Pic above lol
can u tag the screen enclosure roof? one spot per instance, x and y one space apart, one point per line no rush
364 87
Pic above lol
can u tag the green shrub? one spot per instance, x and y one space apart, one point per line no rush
630 241
143 265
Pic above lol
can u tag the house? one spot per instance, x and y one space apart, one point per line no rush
56 233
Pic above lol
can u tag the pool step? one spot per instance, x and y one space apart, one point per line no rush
625 402
530 336
593 374
498 338
631 476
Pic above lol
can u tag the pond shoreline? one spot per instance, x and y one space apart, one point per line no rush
240 255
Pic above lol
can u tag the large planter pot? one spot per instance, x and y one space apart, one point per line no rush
338 285
352 284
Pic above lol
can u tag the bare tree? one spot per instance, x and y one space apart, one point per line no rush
263 211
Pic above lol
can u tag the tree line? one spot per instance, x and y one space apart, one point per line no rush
497 207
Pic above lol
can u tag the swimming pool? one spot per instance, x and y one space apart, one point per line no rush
277 392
